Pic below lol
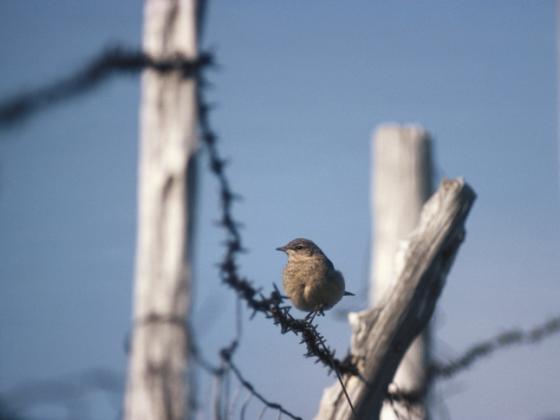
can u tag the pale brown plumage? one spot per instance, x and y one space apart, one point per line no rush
310 279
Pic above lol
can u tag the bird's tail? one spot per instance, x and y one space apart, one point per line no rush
348 293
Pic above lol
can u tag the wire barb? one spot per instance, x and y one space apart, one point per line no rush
99 68
251 389
271 306
480 350
485 348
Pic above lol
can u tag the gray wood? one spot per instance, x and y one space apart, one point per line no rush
382 335
156 387
401 184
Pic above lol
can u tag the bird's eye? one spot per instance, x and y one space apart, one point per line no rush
298 247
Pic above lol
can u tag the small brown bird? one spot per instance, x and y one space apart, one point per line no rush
310 279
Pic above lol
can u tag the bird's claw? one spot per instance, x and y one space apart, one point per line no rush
311 315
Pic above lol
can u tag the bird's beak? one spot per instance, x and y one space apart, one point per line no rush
281 248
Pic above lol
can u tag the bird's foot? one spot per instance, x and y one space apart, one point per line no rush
311 315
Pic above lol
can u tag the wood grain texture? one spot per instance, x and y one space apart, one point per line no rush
156 387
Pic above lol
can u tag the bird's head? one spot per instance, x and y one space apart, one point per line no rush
300 248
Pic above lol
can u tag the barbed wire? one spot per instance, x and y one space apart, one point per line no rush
399 399
516 336
112 60
272 306
445 370
226 357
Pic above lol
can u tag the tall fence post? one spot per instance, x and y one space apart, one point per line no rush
401 184
156 387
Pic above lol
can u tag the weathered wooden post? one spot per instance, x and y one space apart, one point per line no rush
401 184
381 335
156 386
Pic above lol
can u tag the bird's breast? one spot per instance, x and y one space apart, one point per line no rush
312 284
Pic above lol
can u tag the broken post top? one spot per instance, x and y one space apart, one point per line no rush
382 335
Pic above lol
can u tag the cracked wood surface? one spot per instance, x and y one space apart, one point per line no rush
156 387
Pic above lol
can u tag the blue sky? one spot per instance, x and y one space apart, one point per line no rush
300 88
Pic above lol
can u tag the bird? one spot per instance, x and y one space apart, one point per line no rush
309 278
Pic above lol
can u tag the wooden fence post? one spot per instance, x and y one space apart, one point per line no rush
156 387
401 184
382 335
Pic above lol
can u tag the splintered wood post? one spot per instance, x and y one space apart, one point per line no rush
156 387
401 184
381 335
